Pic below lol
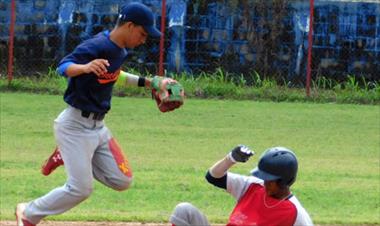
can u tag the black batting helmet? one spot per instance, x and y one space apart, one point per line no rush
277 163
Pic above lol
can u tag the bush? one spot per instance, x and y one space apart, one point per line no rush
223 85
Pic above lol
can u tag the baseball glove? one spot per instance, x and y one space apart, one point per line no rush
168 93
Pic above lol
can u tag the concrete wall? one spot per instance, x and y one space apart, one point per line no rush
202 37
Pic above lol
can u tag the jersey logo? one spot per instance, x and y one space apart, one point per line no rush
239 218
108 77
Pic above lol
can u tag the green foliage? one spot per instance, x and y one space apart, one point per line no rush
337 147
50 83
224 85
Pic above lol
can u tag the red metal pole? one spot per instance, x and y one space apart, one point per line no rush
310 47
162 39
11 39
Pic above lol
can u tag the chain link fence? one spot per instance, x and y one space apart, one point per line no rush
242 37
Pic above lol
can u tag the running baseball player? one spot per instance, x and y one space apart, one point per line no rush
262 199
86 145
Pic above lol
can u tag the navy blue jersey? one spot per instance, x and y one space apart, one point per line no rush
89 92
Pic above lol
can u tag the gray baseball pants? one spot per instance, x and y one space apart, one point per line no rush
185 214
88 151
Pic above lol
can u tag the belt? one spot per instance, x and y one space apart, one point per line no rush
96 115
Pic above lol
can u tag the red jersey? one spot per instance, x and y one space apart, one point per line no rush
256 208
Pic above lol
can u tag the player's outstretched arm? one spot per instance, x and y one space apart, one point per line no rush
240 153
217 174
168 93
126 79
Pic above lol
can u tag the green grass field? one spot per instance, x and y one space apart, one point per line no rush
338 147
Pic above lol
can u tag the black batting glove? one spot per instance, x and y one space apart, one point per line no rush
241 153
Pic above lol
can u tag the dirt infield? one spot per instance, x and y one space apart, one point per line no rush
79 223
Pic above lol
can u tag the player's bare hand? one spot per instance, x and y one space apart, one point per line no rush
97 66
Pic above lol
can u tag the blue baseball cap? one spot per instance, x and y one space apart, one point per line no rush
140 14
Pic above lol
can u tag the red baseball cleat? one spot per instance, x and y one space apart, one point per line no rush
52 162
20 218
